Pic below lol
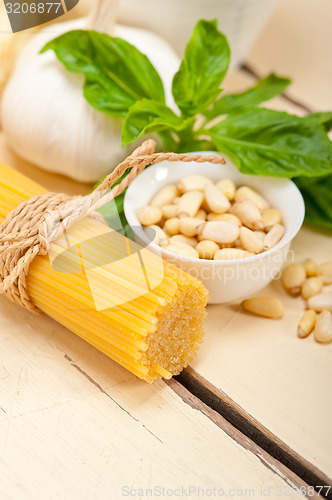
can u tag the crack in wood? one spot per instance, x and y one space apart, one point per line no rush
223 405
99 387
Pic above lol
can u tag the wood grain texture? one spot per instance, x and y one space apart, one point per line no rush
73 424
295 43
281 381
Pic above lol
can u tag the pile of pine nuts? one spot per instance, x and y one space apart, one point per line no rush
306 279
200 219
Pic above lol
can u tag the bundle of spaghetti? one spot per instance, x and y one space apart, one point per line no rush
154 332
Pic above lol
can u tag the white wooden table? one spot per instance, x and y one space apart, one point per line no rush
250 417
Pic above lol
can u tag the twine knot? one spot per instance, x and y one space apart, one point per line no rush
29 230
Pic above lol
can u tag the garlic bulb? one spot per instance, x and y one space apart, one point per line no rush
45 117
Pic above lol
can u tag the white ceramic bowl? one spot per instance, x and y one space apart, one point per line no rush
226 281
174 20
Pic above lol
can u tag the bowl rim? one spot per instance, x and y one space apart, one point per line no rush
134 222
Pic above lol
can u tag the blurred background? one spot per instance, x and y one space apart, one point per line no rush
290 37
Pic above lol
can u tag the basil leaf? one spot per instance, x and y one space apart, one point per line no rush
266 88
324 118
317 194
147 116
207 56
117 74
267 142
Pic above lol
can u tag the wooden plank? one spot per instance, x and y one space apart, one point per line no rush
295 43
73 424
279 380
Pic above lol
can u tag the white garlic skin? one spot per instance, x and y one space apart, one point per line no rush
46 119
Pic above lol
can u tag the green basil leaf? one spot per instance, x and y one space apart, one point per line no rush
147 116
324 118
267 142
266 88
317 194
207 56
116 73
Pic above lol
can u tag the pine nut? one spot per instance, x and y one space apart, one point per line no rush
207 249
268 307
169 211
190 203
271 216
307 324
165 196
188 225
155 233
149 215
249 214
216 200
325 271
310 268
193 182
201 214
293 277
172 226
260 234
311 286
180 239
232 254
250 241
225 217
218 231
273 236
247 193
320 302
183 250
176 200
323 328
228 187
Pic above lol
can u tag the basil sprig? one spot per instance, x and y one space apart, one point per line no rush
121 81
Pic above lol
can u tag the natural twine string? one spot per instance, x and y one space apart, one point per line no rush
29 230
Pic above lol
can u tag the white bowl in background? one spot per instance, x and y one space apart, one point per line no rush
174 20
226 281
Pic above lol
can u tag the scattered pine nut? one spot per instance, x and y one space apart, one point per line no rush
311 286
310 268
323 328
268 307
149 215
307 324
201 214
325 271
293 277
320 302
